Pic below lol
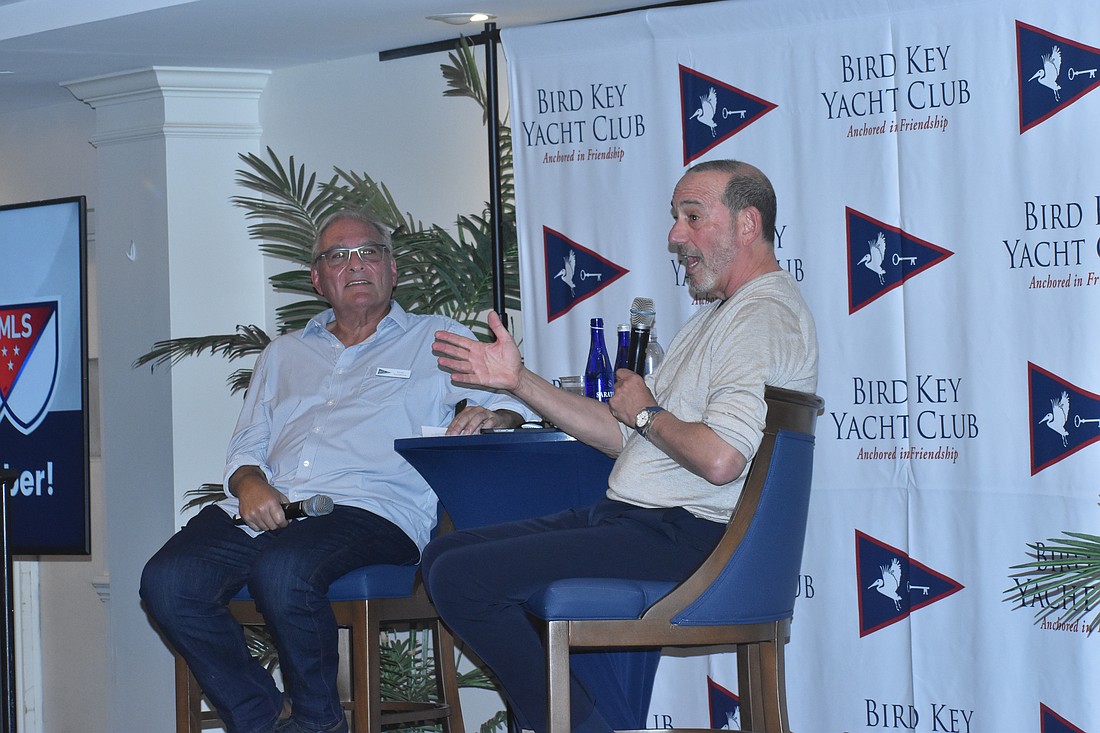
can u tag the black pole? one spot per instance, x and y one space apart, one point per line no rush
7 693
496 206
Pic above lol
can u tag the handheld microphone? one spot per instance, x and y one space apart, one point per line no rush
642 315
314 506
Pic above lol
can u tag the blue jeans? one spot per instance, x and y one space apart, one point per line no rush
187 584
479 580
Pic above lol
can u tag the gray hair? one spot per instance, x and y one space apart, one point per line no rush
362 216
747 186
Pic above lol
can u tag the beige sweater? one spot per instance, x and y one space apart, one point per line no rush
714 372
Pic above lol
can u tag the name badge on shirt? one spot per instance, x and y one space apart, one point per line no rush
394 373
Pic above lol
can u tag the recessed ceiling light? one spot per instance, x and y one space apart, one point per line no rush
462 18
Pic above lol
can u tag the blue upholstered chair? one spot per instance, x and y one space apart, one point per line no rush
742 595
363 601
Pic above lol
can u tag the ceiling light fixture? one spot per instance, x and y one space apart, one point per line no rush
462 18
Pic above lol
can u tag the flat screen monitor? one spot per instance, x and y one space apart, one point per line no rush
44 458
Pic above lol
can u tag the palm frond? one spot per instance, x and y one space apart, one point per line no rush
499 721
287 208
295 316
440 274
246 341
1065 574
360 191
406 668
463 78
205 494
261 646
294 281
475 678
239 380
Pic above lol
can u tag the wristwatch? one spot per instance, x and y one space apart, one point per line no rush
645 419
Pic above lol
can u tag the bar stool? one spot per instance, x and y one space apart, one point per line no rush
364 601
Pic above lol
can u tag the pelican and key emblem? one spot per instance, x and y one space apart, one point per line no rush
1047 75
882 257
1053 72
569 270
1064 418
890 580
892 585
713 111
573 273
708 107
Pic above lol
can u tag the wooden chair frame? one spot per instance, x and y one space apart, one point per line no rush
760 664
364 619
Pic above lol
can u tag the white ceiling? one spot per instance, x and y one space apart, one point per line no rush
45 43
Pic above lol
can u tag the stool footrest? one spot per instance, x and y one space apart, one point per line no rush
409 712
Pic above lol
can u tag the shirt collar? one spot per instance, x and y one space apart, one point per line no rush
320 322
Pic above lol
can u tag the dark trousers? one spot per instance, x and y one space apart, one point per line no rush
187 584
479 580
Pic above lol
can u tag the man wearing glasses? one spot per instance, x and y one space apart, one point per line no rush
320 416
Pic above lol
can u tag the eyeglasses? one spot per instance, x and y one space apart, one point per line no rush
340 256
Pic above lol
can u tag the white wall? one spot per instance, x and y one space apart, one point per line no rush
389 120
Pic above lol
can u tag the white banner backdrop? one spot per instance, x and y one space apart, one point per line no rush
938 178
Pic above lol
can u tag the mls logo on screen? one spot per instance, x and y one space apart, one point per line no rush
1052 722
882 257
1052 73
1062 418
725 707
29 346
712 111
573 273
892 585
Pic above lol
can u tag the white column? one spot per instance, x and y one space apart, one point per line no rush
173 259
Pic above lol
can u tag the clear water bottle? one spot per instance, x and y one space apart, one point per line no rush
654 354
599 379
622 356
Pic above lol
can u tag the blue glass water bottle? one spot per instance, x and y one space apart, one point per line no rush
599 379
622 356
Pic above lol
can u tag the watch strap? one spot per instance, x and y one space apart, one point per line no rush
652 410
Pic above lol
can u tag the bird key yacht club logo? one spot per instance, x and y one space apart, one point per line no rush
891 585
573 273
1062 418
903 88
713 111
1052 72
925 418
29 357
1055 250
882 257
592 122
